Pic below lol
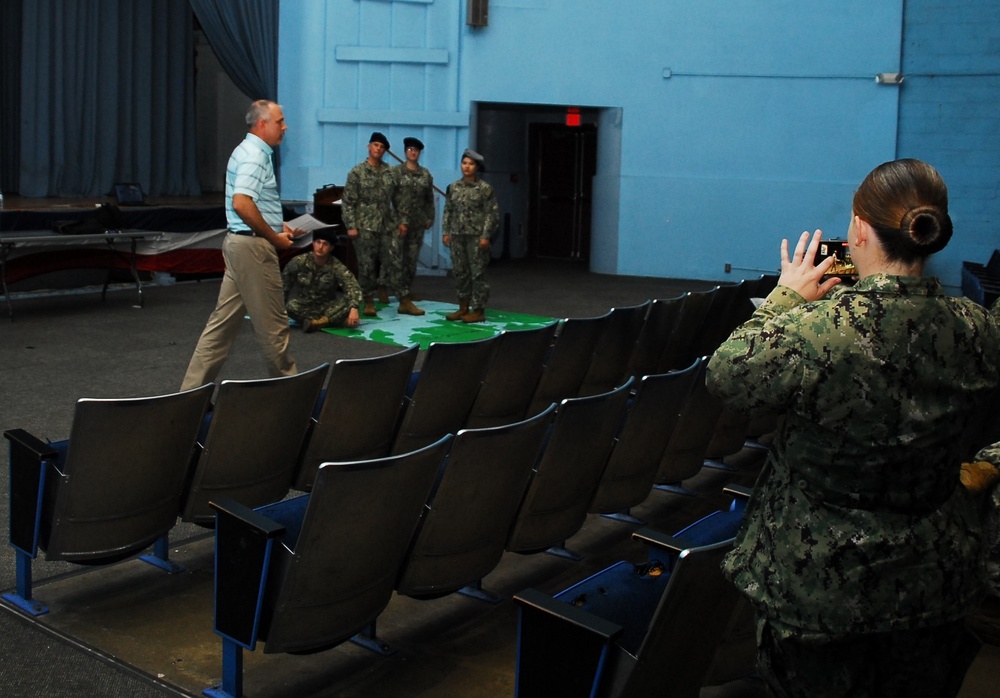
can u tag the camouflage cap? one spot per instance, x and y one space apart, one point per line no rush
475 157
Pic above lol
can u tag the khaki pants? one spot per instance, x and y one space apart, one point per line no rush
251 284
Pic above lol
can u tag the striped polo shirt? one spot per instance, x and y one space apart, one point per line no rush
251 172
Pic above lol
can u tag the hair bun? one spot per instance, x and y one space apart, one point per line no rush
927 227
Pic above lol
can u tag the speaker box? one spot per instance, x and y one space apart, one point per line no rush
477 13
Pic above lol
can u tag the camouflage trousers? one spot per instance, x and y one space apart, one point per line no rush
336 311
380 257
922 663
469 262
410 253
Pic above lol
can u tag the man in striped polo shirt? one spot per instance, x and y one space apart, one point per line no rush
252 282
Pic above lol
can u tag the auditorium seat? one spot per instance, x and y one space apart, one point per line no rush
610 363
566 475
307 573
359 413
445 390
644 629
733 429
718 318
631 469
110 491
568 362
681 349
743 309
512 377
656 332
686 451
251 450
461 535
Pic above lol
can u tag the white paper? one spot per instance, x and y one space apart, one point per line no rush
307 223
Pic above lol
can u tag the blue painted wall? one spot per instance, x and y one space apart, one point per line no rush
949 116
724 125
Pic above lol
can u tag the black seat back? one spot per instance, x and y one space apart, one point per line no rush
610 362
461 536
360 412
512 377
687 449
446 389
656 332
682 348
253 443
337 575
569 360
120 486
562 487
631 469
687 627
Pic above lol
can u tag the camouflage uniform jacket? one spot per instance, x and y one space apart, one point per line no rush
991 514
414 197
366 203
470 208
319 287
991 521
858 522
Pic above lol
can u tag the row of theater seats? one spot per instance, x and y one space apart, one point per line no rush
312 571
132 467
514 375
500 461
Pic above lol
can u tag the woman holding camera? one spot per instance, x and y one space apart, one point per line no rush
860 551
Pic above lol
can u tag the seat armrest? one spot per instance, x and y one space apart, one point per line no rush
660 540
230 508
561 649
27 442
28 458
243 543
738 491
567 613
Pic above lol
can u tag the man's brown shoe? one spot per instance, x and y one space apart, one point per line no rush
406 307
475 316
383 295
369 309
463 308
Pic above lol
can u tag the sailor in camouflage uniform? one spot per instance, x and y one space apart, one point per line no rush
414 203
982 478
470 219
860 551
319 290
370 219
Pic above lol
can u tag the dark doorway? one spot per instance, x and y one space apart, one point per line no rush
563 160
